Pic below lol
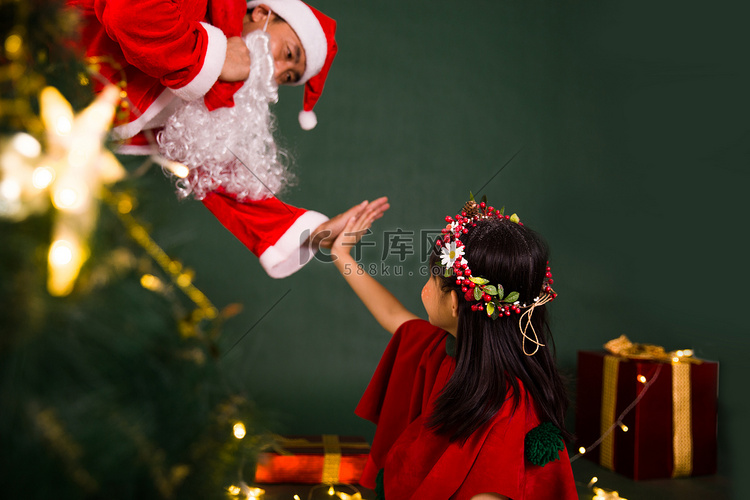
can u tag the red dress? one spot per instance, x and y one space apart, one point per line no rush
421 464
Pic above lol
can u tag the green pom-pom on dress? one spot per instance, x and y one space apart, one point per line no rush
543 444
379 488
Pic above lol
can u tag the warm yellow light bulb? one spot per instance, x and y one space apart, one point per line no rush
69 197
42 177
593 481
331 491
624 427
180 170
239 430
234 490
254 492
13 45
27 145
60 253
581 450
10 189
150 282
63 125
65 257
125 205
175 168
642 379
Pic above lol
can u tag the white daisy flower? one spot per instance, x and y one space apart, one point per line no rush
449 254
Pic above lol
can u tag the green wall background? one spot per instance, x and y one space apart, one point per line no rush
617 130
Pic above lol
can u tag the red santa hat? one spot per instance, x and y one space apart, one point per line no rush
316 32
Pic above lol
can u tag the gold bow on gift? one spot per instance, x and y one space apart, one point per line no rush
622 346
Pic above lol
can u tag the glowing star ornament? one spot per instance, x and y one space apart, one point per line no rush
80 166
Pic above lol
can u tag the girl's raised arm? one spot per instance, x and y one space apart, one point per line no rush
381 303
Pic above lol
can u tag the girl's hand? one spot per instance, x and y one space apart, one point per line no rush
386 308
356 227
328 231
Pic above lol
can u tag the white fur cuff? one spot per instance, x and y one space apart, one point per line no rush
216 54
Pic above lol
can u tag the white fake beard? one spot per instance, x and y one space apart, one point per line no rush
232 148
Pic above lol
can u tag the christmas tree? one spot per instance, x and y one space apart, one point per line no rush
110 381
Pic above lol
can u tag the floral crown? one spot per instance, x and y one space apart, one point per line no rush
491 298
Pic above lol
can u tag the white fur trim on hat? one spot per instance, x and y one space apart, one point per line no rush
303 21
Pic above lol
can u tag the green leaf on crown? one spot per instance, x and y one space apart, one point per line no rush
495 310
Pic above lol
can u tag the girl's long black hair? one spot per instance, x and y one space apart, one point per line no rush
490 360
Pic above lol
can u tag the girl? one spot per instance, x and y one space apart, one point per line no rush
470 404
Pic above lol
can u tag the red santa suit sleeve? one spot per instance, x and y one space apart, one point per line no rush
166 40
275 232
156 50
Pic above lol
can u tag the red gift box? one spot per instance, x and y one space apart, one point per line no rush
326 459
671 426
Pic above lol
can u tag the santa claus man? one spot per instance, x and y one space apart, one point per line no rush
202 74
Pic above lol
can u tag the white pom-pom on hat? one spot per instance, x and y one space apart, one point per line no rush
307 120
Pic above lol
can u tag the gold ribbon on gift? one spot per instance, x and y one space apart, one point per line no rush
682 437
609 401
331 452
332 459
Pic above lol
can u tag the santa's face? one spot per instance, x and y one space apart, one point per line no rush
286 48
